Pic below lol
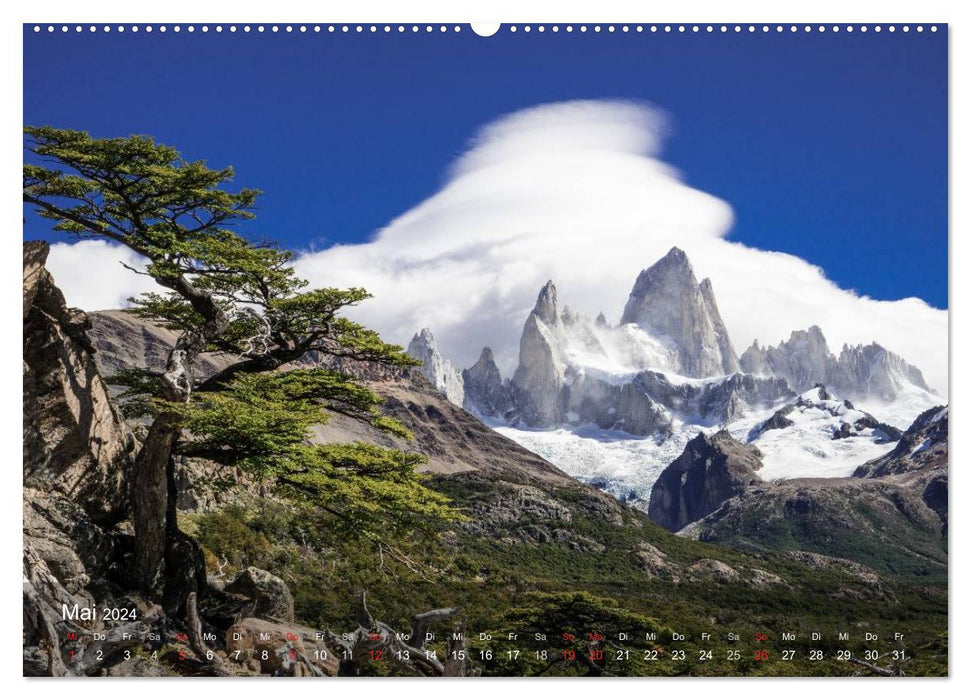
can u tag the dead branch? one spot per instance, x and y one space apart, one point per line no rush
897 671
406 650
205 654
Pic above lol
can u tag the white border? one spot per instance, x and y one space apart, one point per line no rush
438 11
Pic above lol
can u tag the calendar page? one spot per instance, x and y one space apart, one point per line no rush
450 350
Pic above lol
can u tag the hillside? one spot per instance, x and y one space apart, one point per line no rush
538 553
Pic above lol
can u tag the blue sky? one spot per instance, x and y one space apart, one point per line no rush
832 147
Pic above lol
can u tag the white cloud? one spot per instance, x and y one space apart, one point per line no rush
572 192
92 277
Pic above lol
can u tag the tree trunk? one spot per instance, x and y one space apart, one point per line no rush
152 489
150 505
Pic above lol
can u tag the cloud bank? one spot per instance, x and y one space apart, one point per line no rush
574 192
92 276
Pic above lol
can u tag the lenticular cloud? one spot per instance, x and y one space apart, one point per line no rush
575 192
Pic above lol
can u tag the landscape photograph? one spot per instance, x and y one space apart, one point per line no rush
399 350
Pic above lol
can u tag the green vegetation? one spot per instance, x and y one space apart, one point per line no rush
223 292
874 530
504 584
567 575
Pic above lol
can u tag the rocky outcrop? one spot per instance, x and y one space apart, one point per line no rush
884 524
539 377
803 361
269 594
712 469
923 446
436 368
861 372
77 453
485 392
75 443
668 303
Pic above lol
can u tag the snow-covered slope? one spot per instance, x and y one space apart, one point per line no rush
613 405
808 439
624 465
818 435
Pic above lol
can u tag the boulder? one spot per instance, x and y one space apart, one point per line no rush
274 648
270 595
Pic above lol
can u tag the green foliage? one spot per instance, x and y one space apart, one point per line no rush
261 422
224 293
227 535
141 194
503 586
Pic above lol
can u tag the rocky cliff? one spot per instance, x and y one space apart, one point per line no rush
712 469
485 391
77 453
860 373
436 368
668 303
538 379
75 443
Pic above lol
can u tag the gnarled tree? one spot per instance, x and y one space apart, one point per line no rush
224 293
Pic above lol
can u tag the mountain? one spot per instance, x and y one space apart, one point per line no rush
540 375
891 515
920 460
614 404
437 369
923 446
536 548
486 394
869 375
712 469
573 370
669 304
881 523
817 434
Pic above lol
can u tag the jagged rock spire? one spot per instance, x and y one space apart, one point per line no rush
860 372
545 308
538 379
485 392
436 368
668 302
